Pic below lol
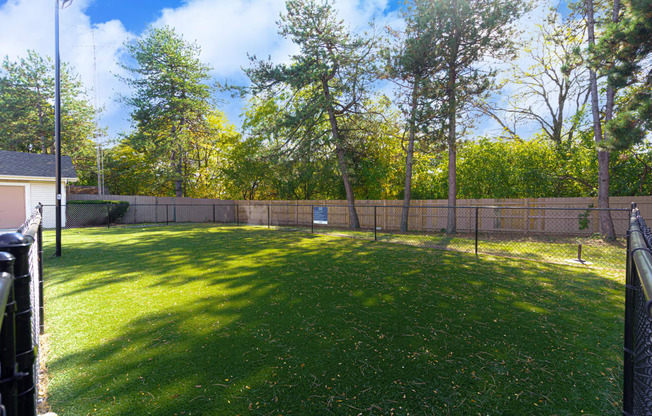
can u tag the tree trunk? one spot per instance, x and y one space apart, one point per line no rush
606 223
178 183
407 190
451 226
341 158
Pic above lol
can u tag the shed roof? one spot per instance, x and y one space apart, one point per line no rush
34 165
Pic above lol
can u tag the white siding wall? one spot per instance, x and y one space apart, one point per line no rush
43 192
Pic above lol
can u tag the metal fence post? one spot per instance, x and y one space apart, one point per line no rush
237 214
8 337
40 272
108 216
628 350
268 217
375 225
18 245
476 230
213 213
312 219
167 214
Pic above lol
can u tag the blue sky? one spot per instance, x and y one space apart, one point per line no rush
93 33
135 15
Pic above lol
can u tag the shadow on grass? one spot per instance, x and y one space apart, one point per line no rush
224 321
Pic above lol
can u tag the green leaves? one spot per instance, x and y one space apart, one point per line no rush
171 103
27 112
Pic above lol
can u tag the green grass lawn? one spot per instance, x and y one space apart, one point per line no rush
551 249
208 320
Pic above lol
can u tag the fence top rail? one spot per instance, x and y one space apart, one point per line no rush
440 206
31 224
272 204
641 255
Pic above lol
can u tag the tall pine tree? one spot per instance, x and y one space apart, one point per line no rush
326 84
170 101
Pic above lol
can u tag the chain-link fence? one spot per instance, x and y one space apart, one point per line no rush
32 228
637 389
21 303
561 235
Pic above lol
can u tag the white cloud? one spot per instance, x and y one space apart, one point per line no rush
225 30
228 30
29 24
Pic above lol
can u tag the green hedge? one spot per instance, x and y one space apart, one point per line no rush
87 213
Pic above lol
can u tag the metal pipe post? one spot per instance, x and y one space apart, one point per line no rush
268 217
39 235
312 219
375 225
476 230
628 347
57 131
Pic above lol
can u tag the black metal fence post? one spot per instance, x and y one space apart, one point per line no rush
8 336
312 219
18 245
476 230
375 225
41 301
108 216
628 350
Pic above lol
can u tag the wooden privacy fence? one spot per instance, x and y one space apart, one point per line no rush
527 215
434 218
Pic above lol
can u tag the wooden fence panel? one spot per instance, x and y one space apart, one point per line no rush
527 215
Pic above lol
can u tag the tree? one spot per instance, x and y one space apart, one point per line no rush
553 91
209 154
629 41
27 112
413 66
606 223
170 101
326 82
468 32
246 170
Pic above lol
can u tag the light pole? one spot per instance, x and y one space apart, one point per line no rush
57 123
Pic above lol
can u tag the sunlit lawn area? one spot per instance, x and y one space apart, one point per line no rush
209 320
553 249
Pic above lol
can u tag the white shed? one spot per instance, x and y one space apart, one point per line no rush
27 179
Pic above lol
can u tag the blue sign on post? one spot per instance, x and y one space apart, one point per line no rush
320 215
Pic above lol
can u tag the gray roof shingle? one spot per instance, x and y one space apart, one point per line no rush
34 164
